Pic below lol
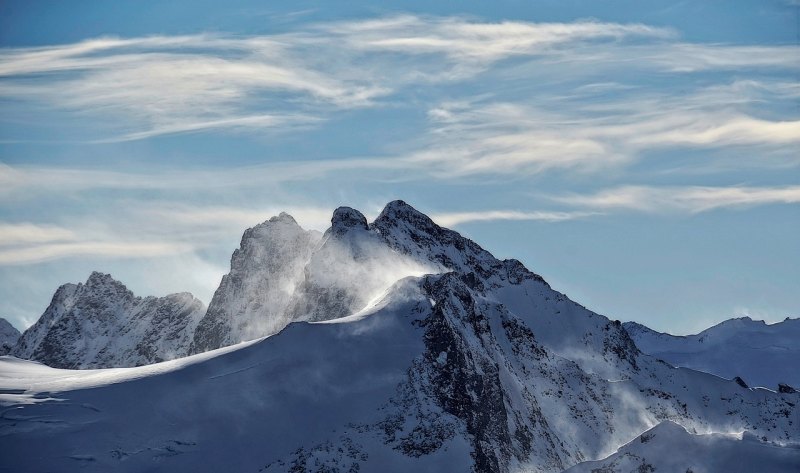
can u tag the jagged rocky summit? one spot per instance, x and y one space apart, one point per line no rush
282 273
101 323
252 298
462 362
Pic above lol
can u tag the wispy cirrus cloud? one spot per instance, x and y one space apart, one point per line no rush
26 243
174 84
115 249
689 199
461 40
457 218
25 232
26 182
578 132
158 85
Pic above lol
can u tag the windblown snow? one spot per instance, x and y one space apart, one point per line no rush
669 447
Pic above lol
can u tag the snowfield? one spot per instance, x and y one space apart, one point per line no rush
759 353
669 447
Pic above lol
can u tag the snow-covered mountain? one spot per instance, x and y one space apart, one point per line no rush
8 336
760 354
478 366
669 447
102 324
252 299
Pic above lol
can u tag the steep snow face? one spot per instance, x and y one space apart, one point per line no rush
412 233
252 298
437 375
760 354
8 336
102 324
669 447
562 325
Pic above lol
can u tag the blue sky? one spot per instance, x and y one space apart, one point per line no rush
641 156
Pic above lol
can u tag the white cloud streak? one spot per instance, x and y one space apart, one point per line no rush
120 249
462 40
457 218
20 181
686 199
490 137
17 233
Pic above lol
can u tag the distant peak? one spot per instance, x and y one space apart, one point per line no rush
399 210
97 278
271 228
283 217
400 207
741 321
6 327
103 282
398 204
345 218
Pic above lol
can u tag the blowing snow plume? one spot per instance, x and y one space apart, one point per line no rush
282 273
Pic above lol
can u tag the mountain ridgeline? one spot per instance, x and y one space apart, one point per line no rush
759 354
102 324
395 346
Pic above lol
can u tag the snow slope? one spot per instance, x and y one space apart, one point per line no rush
761 354
669 447
103 324
8 336
481 366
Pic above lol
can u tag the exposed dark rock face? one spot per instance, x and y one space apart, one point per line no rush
740 382
466 382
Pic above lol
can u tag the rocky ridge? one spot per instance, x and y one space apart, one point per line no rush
102 324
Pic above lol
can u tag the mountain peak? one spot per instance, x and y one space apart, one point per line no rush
102 324
283 217
100 278
104 282
400 210
345 218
